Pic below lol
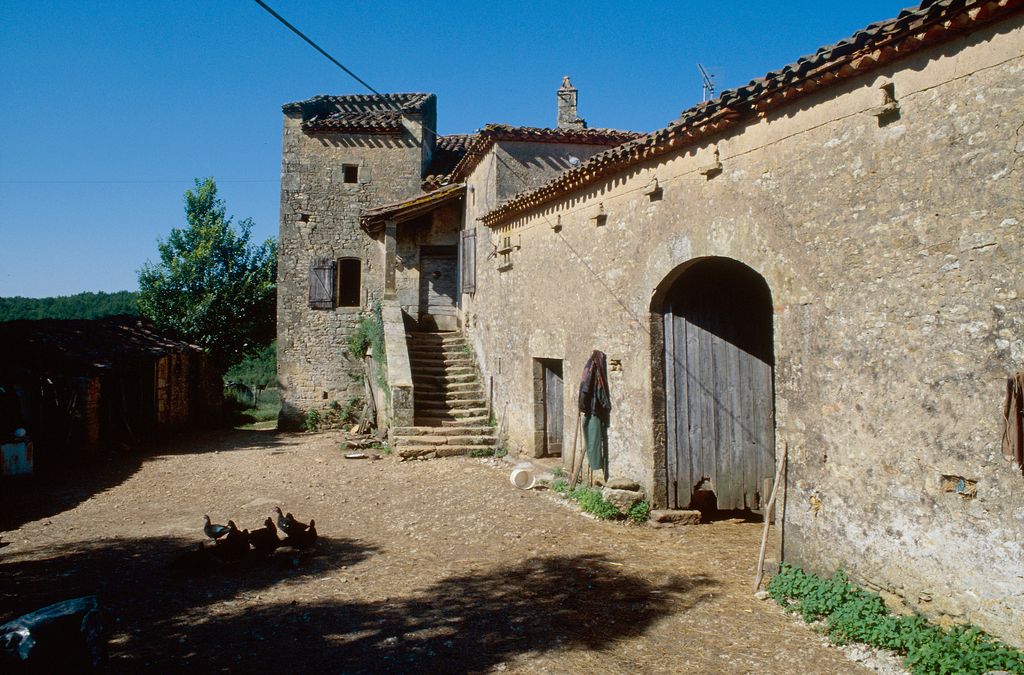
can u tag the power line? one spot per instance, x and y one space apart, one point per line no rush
133 181
322 51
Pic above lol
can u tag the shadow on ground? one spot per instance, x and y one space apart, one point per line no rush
28 498
216 620
464 623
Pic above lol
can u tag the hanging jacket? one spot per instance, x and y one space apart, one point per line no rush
594 398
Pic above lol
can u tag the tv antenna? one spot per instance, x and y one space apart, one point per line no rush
707 87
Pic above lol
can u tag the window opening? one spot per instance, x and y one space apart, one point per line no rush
349 282
350 173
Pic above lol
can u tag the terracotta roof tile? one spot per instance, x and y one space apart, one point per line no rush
410 208
877 44
492 133
447 153
360 113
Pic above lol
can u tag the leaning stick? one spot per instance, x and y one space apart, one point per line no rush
577 467
575 437
767 514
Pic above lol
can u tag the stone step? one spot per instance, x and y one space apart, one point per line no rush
454 361
435 421
433 339
475 403
449 387
440 347
436 355
425 451
457 404
438 395
443 379
437 439
451 413
442 370
483 430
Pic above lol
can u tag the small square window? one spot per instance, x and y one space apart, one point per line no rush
350 173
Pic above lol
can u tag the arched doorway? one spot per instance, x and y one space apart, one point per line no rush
718 368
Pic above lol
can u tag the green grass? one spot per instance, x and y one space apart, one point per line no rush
639 512
244 417
851 614
499 451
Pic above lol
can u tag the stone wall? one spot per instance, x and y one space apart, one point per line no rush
320 219
892 248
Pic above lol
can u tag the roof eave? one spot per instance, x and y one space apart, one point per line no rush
692 126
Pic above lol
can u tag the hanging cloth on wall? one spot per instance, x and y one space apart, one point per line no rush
1013 413
595 404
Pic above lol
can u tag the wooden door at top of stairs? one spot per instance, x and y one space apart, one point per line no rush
438 288
718 386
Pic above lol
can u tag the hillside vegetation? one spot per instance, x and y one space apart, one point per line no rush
78 306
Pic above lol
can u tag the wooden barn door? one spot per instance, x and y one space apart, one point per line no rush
718 386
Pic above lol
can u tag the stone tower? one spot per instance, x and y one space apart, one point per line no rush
341 155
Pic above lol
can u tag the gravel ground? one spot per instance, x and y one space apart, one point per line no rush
421 566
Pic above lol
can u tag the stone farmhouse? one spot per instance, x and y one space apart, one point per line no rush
822 267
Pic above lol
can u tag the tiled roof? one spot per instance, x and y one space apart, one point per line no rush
410 208
85 344
877 44
491 133
447 153
359 113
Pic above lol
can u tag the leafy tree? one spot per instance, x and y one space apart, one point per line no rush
212 287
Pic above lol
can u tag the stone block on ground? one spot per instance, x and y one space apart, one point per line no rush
619 483
622 499
676 516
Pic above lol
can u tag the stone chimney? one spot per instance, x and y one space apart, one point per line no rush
567 117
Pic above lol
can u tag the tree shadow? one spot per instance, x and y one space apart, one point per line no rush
465 623
27 498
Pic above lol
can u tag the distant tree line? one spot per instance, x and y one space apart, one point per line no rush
78 306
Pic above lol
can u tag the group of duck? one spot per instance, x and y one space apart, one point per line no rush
231 542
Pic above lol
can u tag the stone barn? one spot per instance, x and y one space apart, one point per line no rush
822 266
91 388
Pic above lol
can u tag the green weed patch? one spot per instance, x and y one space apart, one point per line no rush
851 614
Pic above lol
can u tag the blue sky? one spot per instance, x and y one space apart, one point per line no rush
110 109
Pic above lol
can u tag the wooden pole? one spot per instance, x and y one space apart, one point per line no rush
575 437
767 516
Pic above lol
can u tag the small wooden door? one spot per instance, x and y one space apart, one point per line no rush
718 386
554 413
438 288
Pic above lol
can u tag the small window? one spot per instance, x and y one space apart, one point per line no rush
350 173
349 282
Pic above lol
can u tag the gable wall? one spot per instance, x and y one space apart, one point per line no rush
893 254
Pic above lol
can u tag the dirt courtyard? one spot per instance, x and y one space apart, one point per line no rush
437 566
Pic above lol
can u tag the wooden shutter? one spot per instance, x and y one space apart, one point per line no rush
321 283
469 261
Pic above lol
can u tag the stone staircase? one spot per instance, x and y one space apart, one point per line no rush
448 400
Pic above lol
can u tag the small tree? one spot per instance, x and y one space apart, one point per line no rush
211 286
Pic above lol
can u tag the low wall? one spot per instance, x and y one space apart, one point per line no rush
400 404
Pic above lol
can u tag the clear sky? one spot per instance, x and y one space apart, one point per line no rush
110 109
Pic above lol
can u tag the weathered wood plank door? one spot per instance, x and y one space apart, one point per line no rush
718 384
438 288
554 413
